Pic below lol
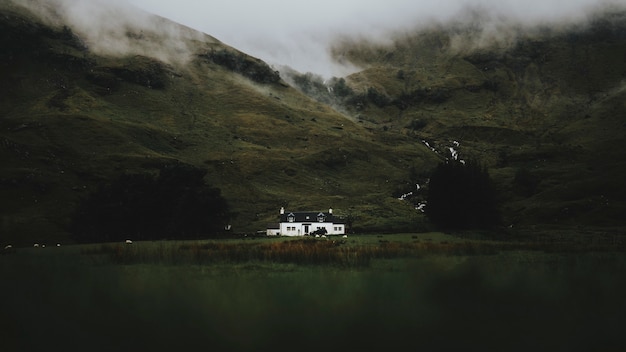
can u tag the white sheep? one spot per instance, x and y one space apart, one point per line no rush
345 236
36 245
8 246
129 242
323 236
316 236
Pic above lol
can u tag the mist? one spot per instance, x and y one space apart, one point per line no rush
115 28
300 33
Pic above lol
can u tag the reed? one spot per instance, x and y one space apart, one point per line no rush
308 251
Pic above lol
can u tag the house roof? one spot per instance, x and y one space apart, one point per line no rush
307 216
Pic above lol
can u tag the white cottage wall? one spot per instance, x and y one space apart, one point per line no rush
294 226
300 228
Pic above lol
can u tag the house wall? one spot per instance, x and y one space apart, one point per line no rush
338 229
273 232
298 228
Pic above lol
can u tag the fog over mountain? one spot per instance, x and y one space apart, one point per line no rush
299 33
92 89
114 27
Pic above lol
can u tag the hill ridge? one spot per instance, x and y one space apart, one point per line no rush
73 118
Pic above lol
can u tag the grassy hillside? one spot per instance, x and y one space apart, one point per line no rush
72 119
544 110
544 114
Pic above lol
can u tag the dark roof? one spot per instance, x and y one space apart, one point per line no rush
273 225
307 216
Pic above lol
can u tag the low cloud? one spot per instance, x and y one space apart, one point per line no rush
297 33
300 33
115 28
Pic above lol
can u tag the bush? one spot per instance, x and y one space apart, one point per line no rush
341 89
377 98
176 204
462 196
250 67
421 96
310 83
143 71
525 182
416 124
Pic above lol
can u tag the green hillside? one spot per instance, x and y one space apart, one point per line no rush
549 110
73 119
545 112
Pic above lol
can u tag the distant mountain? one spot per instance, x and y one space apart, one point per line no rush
543 107
78 109
74 117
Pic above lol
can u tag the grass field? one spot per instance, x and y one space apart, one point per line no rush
422 291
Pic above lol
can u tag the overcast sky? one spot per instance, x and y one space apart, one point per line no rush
297 32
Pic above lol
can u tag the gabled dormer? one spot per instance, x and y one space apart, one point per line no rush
321 217
291 217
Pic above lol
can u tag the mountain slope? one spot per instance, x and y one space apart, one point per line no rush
543 112
74 116
543 108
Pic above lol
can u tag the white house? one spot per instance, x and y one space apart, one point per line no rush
305 222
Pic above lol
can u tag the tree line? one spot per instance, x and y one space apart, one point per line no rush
462 196
175 204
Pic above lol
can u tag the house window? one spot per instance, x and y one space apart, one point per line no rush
320 217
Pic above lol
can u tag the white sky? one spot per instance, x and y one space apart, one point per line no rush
298 32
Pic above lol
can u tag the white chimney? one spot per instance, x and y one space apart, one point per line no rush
330 211
282 210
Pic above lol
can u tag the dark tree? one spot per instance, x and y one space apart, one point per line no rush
176 204
377 98
462 196
341 89
253 68
525 182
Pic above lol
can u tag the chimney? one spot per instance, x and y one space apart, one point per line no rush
282 210
330 211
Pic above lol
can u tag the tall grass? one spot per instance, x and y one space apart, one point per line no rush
326 252
516 301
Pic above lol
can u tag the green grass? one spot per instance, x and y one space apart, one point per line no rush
76 297
357 252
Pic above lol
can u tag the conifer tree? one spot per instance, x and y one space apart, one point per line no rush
462 196
175 204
